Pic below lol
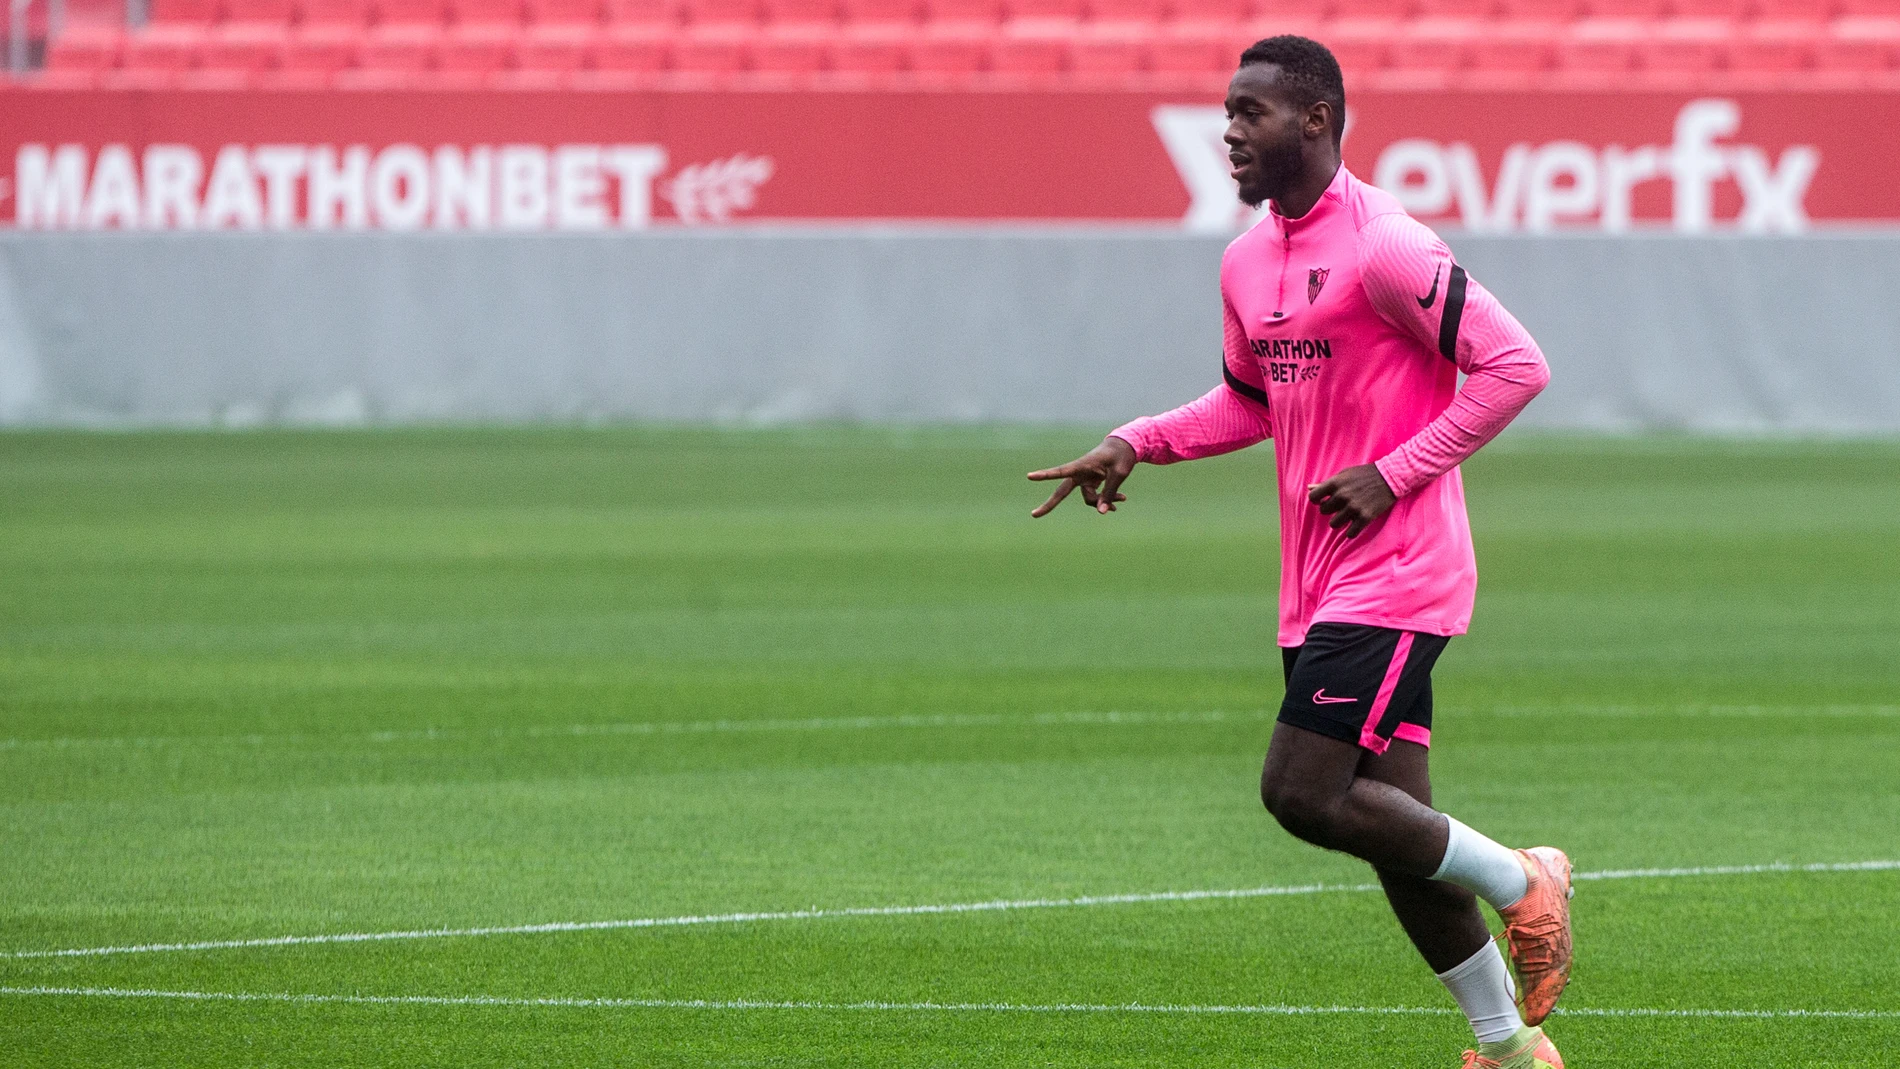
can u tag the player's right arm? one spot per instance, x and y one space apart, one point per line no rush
1233 415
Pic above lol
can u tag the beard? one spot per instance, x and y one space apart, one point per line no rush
1274 168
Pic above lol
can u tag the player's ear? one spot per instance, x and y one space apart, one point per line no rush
1320 119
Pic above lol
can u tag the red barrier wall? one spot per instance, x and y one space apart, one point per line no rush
601 160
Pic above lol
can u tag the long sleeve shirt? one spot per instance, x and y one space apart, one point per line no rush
1345 333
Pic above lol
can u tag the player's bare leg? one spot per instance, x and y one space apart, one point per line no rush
1377 807
1441 919
1312 784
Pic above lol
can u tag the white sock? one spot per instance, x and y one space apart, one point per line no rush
1484 868
1483 988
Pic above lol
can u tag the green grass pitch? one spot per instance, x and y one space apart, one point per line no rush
284 684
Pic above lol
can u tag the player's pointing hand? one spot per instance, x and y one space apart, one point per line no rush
1353 498
1099 473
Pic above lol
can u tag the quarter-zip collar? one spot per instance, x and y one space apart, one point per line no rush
1333 200
1329 202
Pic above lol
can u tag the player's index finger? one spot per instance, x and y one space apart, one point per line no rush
1062 471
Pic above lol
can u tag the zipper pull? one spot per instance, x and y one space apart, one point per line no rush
1288 255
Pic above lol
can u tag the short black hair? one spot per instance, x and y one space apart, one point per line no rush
1308 72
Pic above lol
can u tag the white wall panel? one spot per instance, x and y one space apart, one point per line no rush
1704 334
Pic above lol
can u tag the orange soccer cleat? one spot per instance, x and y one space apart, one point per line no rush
1538 931
1529 1049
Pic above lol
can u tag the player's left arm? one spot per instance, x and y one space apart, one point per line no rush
1416 285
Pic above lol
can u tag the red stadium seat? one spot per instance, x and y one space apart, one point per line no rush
411 12
1859 46
790 50
1361 29
554 48
631 49
869 50
86 49
644 12
315 53
1685 46
1516 47
163 48
1600 46
955 12
184 12
1625 9
140 78
1439 45
336 13
881 12
243 48
1030 50
70 79
722 12
564 12
1040 10
404 49
499 13
1775 47
1871 9
661 14
476 50
1274 25
382 78
1360 46
1731 10
1191 49
278 13
1355 9
1108 52
536 78
1542 10
815 13
1141 13
953 50
719 49
1794 10
1211 12
1458 9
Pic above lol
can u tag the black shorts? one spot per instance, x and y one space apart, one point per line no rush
1362 684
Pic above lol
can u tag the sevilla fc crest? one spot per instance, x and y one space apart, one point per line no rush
1316 281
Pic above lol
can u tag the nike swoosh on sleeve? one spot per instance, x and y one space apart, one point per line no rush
1427 300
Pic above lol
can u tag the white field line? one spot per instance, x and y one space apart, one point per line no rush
1692 710
895 1007
871 723
996 906
677 727
694 920
1738 870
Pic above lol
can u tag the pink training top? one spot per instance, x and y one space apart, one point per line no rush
1346 331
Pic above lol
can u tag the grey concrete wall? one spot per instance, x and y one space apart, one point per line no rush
886 325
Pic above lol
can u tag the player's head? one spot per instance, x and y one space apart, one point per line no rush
1287 100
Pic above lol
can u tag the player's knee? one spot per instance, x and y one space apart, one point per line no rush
1304 812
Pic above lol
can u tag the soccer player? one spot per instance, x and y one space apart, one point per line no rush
1347 323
